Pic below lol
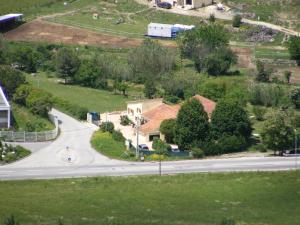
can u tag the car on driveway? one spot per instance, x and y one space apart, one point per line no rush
165 5
143 147
175 149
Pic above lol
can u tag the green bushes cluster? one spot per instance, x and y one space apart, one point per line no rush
125 120
107 127
36 100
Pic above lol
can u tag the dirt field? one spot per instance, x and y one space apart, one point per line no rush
245 55
43 31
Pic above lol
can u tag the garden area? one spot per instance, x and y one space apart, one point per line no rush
9 153
202 199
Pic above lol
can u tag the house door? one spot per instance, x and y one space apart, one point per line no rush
188 2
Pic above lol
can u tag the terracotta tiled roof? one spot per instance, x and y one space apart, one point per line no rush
155 116
209 105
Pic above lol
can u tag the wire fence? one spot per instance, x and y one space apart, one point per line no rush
23 136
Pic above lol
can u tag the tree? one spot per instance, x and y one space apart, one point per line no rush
167 128
150 60
10 79
122 87
277 134
90 75
160 146
294 48
26 57
39 102
203 39
287 76
220 61
22 93
263 75
149 89
294 95
67 63
107 127
229 118
192 125
237 21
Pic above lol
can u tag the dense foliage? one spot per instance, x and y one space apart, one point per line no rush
192 125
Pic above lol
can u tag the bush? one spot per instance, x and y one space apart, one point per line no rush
197 153
39 102
237 21
167 128
155 157
172 99
107 127
118 136
259 112
125 120
225 144
160 146
227 222
259 147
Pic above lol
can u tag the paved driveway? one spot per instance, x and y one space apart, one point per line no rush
71 148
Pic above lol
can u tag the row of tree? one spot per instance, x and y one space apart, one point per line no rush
229 128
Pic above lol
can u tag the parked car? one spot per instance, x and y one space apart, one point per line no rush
175 149
165 5
143 147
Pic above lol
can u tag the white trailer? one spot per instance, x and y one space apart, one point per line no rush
160 30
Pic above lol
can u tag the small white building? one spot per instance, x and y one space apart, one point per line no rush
4 111
160 30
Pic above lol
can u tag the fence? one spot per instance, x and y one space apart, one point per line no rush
23 136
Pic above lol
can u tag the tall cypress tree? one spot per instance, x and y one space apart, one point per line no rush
192 126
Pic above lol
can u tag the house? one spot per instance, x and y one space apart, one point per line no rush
4 111
194 4
152 112
136 108
167 30
9 20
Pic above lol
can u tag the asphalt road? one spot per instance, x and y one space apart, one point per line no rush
71 155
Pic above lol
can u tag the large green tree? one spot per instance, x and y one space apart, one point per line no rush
10 79
39 102
294 48
229 118
67 63
26 57
277 134
192 126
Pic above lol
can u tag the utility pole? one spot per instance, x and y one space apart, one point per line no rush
137 138
296 140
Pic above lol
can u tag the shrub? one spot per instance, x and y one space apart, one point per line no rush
167 128
160 146
237 21
172 99
259 112
225 144
155 157
125 120
259 147
227 222
39 102
197 153
118 136
107 127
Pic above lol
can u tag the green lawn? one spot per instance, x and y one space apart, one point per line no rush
105 144
271 53
24 120
195 199
93 99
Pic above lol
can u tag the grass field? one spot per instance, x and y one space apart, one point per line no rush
24 120
94 100
202 199
126 18
104 143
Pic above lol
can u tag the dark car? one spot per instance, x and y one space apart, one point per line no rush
165 5
143 147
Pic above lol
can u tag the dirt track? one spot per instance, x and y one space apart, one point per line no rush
43 31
